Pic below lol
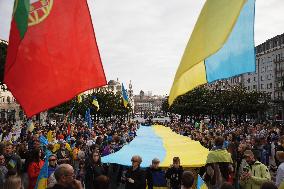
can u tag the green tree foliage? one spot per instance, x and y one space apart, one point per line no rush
202 101
110 105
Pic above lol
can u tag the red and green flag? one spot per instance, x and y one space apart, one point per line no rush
52 54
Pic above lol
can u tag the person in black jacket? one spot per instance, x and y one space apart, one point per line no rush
174 174
94 168
135 177
12 159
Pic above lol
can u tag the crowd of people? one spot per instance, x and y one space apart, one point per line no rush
256 151
243 155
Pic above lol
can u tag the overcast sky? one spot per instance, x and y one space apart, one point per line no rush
143 40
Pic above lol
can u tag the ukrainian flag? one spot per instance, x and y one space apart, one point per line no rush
79 98
221 45
88 118
124 96
43 174
43 141
200 183
96 103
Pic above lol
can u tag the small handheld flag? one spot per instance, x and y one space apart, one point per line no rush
88 118
43 174
79 98
124 96
96 103
43 141
68 114
200 183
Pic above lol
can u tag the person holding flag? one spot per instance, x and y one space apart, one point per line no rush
34 168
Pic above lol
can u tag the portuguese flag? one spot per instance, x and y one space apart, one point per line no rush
52 54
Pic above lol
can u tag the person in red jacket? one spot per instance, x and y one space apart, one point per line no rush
34 168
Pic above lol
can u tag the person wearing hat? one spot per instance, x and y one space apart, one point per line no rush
155 176
218 168
280 169
255 174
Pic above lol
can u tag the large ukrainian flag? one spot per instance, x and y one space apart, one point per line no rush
160 142
221 45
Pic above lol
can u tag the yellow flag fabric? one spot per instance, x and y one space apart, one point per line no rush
213 27
57 147
219 156
281 185
96 103
190 152
49 136
79 98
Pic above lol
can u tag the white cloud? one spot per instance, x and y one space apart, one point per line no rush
143 41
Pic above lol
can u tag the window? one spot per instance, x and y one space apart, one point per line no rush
248 88
248 80
8 99
254 86
269 86
261 86
254 79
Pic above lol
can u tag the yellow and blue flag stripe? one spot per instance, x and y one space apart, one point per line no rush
124 96
96 103
221 45
43 174
79 98
200 183
160 142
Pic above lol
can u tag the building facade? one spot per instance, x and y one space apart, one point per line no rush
147 103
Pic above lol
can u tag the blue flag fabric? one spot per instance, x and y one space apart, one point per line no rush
43 174
124 96
43 141
88 118
200 183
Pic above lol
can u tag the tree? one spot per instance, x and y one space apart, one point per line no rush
220 103
110 105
